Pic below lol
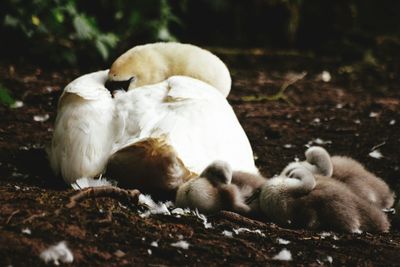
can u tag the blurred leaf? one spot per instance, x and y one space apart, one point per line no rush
63 31
58 15
102 48
10 21
35 20
110 39
104 42
165 35
5 96
83 28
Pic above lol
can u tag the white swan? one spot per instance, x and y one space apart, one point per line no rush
190 115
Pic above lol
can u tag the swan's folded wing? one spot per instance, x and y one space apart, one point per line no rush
88 87
84 129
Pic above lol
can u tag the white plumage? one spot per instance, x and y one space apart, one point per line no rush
194 118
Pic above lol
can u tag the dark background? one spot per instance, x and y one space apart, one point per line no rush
83 33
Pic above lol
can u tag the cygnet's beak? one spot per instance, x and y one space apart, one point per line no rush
118 85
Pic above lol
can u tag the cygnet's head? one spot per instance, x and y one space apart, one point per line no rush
318 161
218 172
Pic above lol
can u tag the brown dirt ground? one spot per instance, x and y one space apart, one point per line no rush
357 110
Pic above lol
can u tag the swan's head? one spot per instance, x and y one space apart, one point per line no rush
122 75
135 68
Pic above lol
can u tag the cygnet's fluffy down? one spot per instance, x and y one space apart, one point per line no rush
212 191
304 200
153 63
349 171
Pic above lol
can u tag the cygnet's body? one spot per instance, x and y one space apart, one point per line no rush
349 171
362 182
154 63
212 191
249 186
318 202
186 114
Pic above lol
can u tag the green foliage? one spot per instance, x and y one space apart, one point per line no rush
5 96
63 31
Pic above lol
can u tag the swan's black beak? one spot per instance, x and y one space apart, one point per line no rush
118 85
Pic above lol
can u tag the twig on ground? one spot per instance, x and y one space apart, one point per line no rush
255 250
123 195
280 94
34 216
11 216
378 145
232 216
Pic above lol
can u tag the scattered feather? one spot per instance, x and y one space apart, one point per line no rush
283 255
392 122
326 76
287 146
227 233
146 200
318 141
154 244
357 231
376 154
17 104
373 114
153 208
119 253
26 231
178 212
323 235
329 259
57 253
316 121
41 118
203 218
357 121
149 251
339 106
86 182
181 244
241 230
282 241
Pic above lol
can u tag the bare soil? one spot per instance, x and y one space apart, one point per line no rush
355 112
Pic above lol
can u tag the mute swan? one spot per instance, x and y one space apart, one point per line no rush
154 63
192 118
